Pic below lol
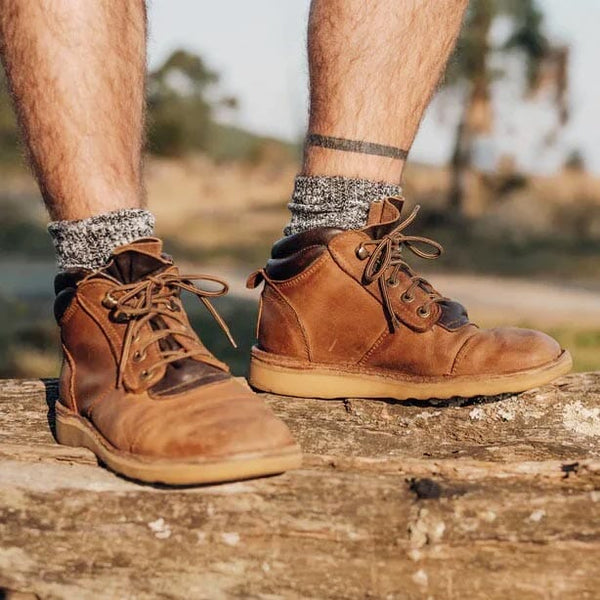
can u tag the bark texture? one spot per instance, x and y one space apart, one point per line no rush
482 499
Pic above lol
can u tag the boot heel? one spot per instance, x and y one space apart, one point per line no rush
302 382
68 431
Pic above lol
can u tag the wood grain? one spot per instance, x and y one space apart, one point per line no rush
489 498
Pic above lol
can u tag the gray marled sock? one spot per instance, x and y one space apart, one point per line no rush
334 202
88 243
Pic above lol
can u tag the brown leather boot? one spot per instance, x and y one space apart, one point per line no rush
140 390
343 315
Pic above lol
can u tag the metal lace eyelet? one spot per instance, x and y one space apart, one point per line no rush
146 374
423 312
138 356
362 253
407 298
120 317
108 301
172 306
393 283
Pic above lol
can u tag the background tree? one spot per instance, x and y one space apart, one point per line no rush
472 70
183 99
179 110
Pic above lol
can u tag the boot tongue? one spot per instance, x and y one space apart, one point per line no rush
383 217
133 262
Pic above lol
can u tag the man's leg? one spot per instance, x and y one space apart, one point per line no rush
77 73
137 386
343 314
373 69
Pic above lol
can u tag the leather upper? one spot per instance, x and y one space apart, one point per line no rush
349 298
136 369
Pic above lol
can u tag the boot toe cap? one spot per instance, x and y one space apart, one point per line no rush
217 421
505 350
247 427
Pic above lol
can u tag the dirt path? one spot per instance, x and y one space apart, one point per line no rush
507 299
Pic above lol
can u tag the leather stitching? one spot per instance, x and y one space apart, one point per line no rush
69 312
295 257
279 297
428 323
289 282
374 347
166 393
69 359
97 401
141 432
392 375
182 395
460 355
107 328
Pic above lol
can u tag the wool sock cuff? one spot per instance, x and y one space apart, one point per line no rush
343 202
88 243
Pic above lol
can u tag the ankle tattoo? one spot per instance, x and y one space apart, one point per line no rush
358 146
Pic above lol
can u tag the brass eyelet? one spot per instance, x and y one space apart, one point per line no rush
393 283
362 253
108 301
146 374
120 317
139 356
172 306
407 298
423 312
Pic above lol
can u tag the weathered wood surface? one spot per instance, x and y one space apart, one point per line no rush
489 498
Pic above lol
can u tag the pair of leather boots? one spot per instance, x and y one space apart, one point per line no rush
341 315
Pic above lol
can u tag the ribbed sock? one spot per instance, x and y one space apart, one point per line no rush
340 202
88 243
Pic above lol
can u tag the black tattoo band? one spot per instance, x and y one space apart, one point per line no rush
334 143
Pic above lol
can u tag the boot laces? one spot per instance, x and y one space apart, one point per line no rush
386 261
144 302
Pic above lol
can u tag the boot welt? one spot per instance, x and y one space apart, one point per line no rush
289 377
75 430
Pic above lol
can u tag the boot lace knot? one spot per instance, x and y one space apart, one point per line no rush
155 301
386 262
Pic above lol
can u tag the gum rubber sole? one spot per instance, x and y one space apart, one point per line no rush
282 375
74 430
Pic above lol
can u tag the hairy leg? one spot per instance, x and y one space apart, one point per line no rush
77 73
373 69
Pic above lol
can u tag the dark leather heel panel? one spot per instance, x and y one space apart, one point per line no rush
294 243
284 268
291 255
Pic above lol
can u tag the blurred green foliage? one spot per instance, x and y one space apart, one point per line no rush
183 99
179 112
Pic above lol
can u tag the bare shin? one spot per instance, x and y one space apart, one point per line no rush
77 73
373 69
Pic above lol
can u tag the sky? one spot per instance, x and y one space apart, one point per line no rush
258 47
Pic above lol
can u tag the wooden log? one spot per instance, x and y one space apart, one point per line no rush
489 498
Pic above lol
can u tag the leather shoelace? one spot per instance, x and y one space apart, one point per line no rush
387 252
143 301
